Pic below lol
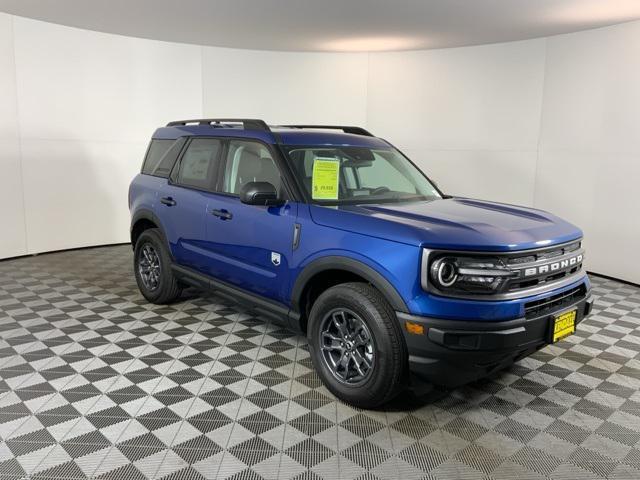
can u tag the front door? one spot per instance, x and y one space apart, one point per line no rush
250 245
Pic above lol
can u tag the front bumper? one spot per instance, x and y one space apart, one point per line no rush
453 352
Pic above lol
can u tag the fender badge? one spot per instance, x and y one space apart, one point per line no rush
275 258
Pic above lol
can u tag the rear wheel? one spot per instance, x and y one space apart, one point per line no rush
356 345
152 267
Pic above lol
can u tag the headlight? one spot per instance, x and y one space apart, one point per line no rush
461 274
444 272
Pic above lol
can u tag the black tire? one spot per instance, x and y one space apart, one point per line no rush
388 373
166 289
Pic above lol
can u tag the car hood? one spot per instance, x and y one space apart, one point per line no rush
452 223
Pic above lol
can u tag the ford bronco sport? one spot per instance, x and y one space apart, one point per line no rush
335 233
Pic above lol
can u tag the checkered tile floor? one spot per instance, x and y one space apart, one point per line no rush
95 382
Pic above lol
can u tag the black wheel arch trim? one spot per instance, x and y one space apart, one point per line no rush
336 262
145 214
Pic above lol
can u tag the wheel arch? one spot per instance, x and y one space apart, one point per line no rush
353 270
143 220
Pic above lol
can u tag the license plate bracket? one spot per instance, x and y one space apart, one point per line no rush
562 325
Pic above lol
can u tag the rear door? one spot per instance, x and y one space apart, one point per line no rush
183 202
250 246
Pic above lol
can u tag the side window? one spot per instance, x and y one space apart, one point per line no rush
156 151
199 165
169 159
248 162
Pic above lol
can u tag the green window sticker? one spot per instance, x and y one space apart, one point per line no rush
326 174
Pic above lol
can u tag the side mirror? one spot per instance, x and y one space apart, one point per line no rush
259 193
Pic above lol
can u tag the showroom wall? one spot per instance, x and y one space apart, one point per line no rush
551 123
463 112
589 157
87 104
13 239
285 87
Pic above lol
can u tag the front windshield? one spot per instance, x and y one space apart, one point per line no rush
353 175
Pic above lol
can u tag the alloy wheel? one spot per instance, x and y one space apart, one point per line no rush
149 267
347 346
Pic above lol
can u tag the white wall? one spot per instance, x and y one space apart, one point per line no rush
589 158
285 87
87 105
468 116
13 239
552 123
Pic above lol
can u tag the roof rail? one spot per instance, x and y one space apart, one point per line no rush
247 123
344 128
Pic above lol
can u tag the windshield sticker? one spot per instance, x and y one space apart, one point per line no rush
326 174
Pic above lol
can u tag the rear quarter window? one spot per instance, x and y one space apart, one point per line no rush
161 156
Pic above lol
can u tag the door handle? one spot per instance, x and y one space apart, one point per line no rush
168 201
222 214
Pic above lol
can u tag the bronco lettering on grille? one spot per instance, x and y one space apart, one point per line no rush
553 267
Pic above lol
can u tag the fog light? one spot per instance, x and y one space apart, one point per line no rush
414 328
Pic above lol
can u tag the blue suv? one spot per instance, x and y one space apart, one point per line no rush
334 233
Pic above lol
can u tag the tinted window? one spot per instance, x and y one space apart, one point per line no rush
156 151
169 159
249 162
199 164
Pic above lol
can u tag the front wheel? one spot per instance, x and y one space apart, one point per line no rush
356 345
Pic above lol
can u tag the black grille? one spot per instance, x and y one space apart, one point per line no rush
517 285
546 305
543 254
549 254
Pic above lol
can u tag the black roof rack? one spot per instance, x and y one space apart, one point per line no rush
345 129
247 123
257 124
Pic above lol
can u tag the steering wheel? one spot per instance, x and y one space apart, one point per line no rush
380 190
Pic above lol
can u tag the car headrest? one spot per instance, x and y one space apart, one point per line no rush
249 167
269 172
